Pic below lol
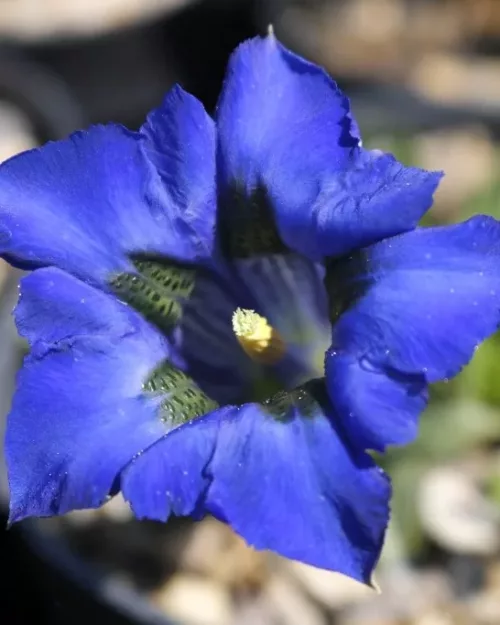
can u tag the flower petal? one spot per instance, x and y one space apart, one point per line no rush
288 144
86 202
416 307
170 477
79 414
281 474
373 197
181 146
379 406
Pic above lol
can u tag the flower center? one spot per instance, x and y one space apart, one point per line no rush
260 341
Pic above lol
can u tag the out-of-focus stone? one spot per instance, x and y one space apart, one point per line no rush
16 131
115 510
5 271
405 594
357 37
194 600
216 551
40 19
493 578
81 518
368 618
484 609
375 38
290 605
242 568
207 541
455 513
331 589
457 80
484 17
450 615
466 155
254 610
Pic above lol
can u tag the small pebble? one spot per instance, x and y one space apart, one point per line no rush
330 589
455 514
194 600
290 605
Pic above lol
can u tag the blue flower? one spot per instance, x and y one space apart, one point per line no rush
188 280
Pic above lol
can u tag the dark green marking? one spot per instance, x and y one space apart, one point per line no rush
346 281
265 386
156 291
156 307
184 400
247 225
304 400
174 281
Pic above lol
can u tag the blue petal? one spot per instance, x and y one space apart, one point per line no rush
170 477
288 483
288 140
379 406
416 308
85 203
373 197
78 416
181 146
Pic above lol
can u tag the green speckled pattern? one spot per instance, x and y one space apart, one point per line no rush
156 291
302 401
184 400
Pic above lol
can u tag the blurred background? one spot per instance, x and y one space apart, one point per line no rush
424 80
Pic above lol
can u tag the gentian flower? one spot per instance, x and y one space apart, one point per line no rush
225 315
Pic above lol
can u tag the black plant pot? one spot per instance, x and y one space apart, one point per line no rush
63 588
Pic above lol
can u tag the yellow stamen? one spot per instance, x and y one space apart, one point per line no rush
259 340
